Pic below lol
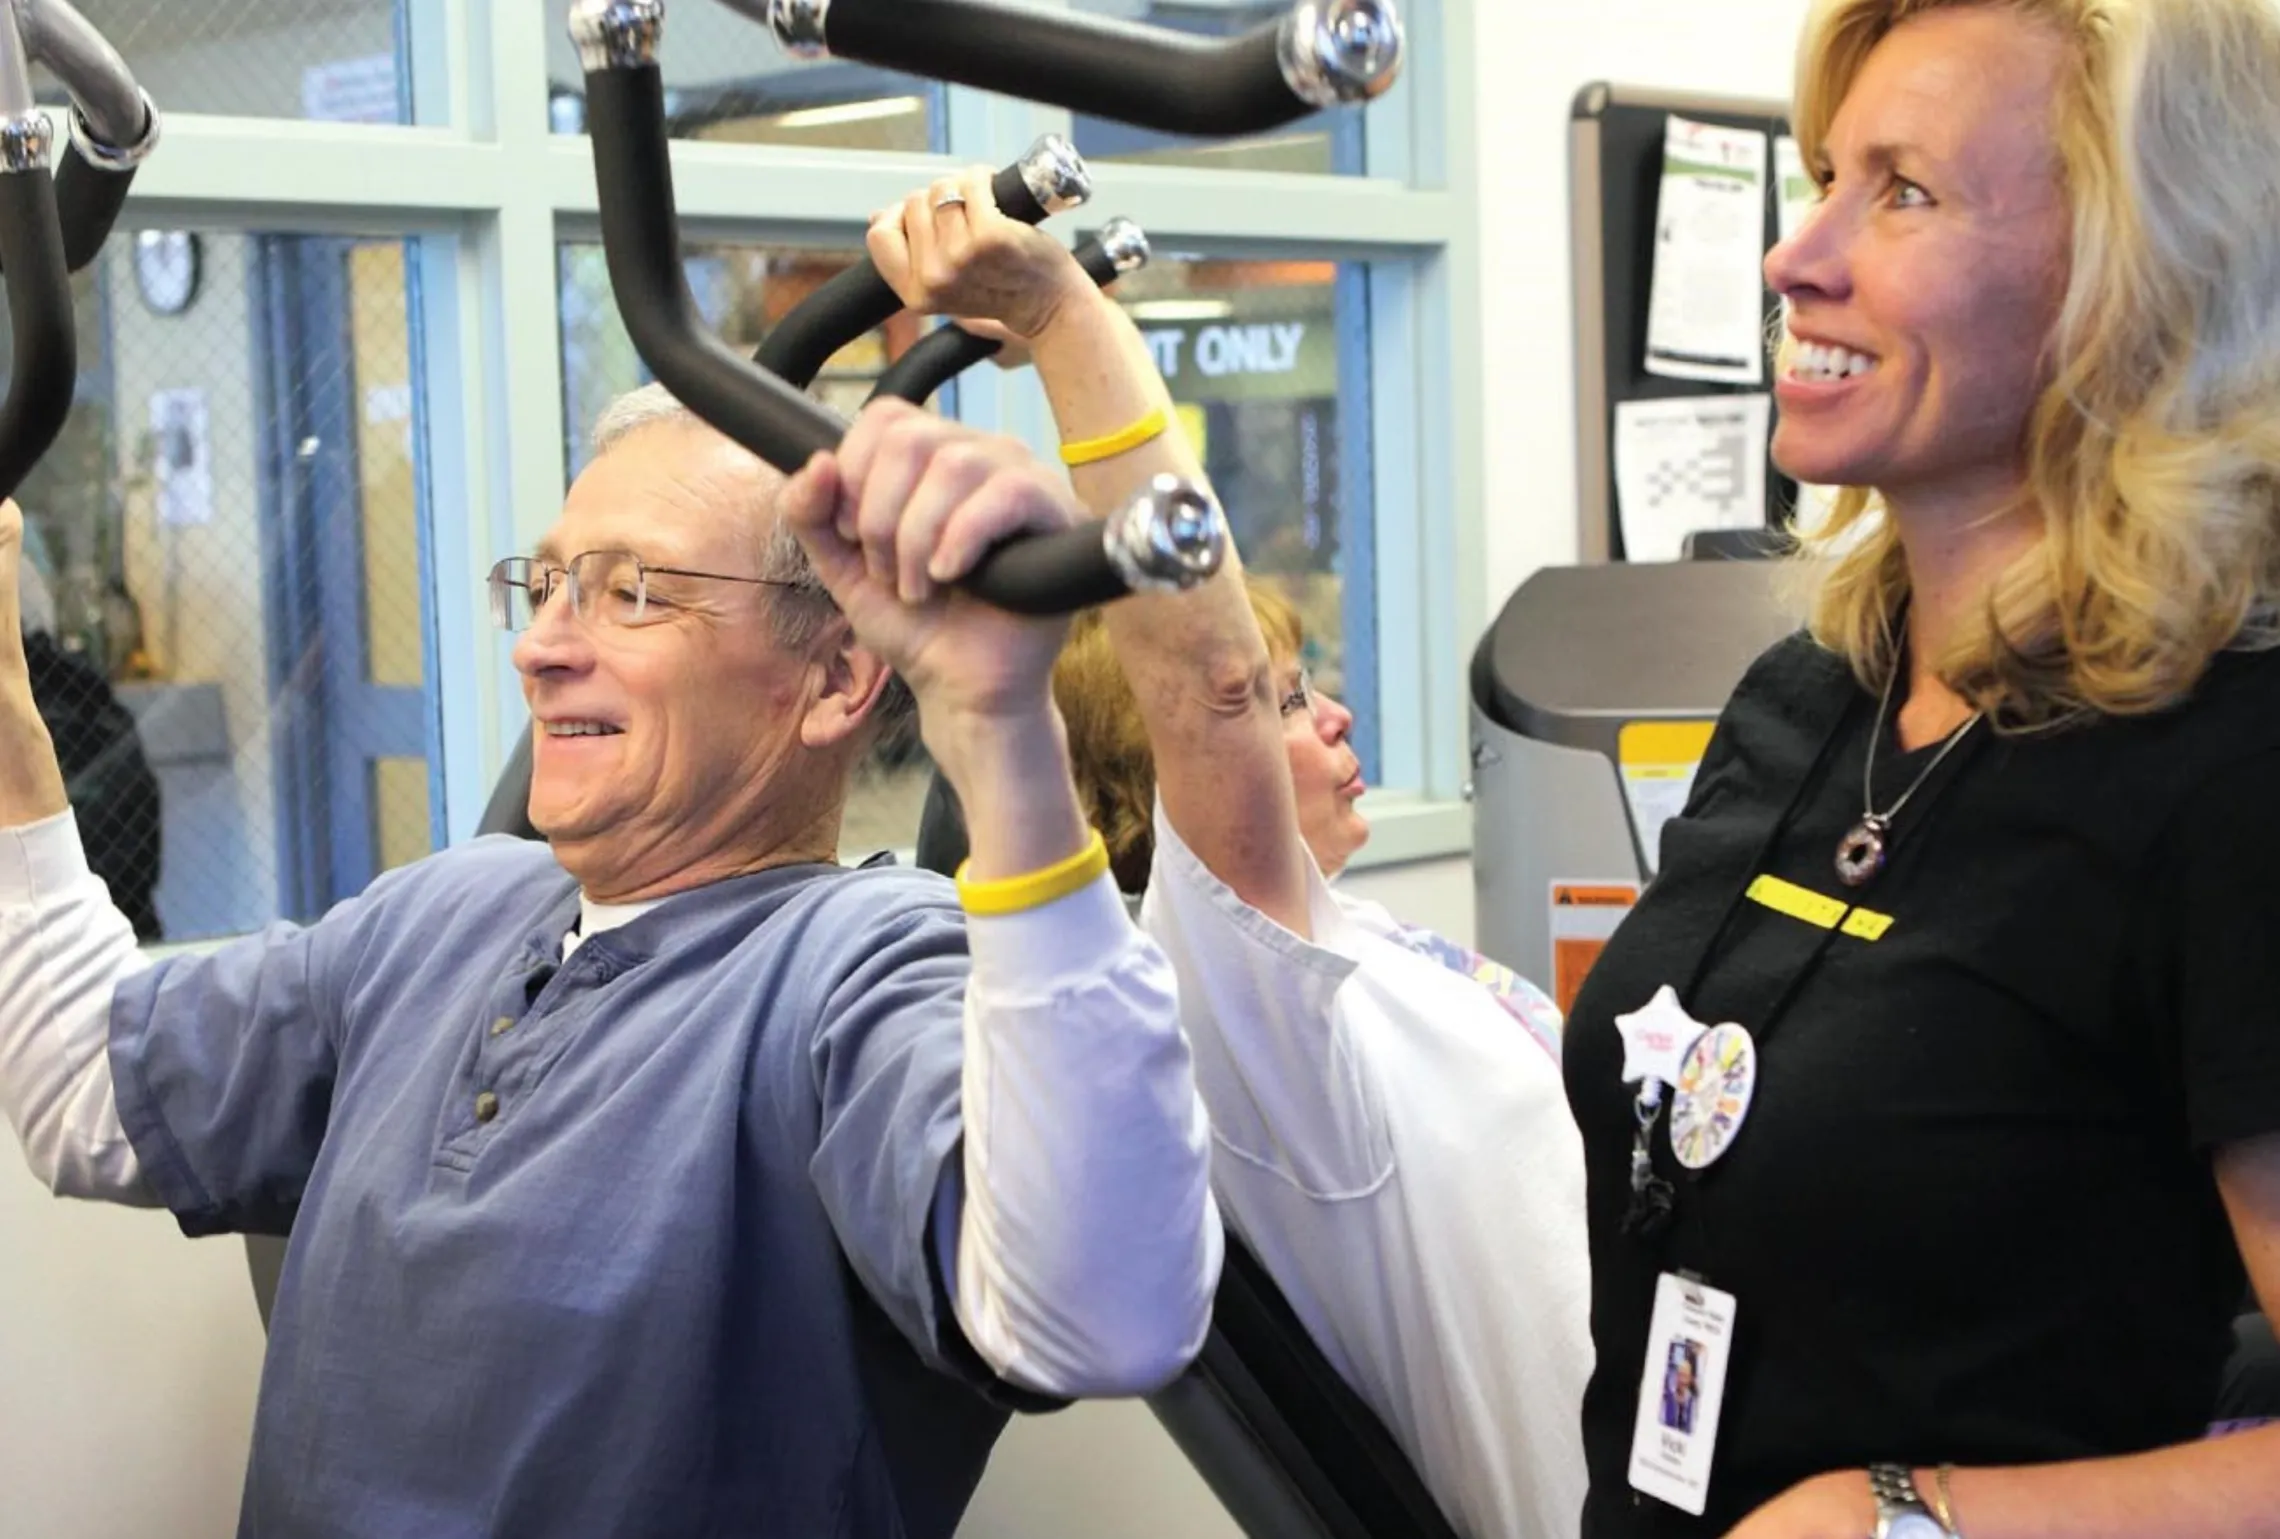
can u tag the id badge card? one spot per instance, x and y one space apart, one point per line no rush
1689 1344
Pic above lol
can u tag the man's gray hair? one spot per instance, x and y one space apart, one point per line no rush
803 606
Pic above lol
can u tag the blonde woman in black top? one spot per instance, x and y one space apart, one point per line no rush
1931 1097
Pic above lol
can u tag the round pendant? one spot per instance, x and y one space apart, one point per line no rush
1860 854
1715 1084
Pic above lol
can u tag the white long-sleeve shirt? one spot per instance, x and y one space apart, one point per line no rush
1395 1146
1078 1134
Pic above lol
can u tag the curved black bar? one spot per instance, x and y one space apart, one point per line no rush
1050 178
1323 53
641 236
114 125
1051 574
932 362
949 351
1173 536
88 198
44 364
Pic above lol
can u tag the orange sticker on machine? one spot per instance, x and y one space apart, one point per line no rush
1584 915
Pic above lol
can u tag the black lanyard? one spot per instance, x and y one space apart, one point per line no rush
1758 861
1652 1204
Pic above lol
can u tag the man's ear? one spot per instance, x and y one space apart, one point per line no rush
852 679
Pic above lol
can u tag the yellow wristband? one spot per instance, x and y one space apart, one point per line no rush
1015 894
1086 450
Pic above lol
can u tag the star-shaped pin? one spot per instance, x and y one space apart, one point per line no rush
1656 1037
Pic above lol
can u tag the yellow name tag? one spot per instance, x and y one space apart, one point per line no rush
1798 902
1867 924
1818 909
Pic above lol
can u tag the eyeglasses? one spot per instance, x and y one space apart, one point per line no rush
607 587
1302 698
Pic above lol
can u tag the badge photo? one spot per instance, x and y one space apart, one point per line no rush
1683 1388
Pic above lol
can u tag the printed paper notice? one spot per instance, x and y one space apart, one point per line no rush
1658 760
1706 302
1693 463
352 91
185 458
1584 915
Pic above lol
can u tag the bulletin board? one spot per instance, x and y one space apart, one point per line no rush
1615 159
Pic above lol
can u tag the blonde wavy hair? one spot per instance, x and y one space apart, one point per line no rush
2154 450
1108 742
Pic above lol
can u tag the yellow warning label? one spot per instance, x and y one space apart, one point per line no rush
1584 915
1663 745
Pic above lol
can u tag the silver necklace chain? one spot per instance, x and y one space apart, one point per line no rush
1861 852
1868 810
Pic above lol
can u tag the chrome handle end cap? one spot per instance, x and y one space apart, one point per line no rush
1125 245
1338 51
26 141
616 34
800 26
1170 537
1056 175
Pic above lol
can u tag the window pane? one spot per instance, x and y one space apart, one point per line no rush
1269 364
230 538
742 291
338 60
1324 143
725 79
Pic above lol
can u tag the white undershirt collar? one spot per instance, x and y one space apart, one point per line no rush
594 918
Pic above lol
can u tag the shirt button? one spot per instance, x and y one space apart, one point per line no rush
486 1106
502 1025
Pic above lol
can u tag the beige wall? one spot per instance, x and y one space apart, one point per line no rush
128 1359
1531 61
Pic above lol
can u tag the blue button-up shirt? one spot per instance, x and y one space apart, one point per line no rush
633 1244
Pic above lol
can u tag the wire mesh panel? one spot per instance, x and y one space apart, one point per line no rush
224 577
334 60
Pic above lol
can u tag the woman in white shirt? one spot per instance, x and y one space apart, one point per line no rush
1392 1138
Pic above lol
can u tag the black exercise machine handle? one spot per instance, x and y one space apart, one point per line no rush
1322 53
113 123
1044 182
51 226
948 351
44 353
88 198
1172 536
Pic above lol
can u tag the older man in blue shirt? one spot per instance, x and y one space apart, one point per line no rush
666 1179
